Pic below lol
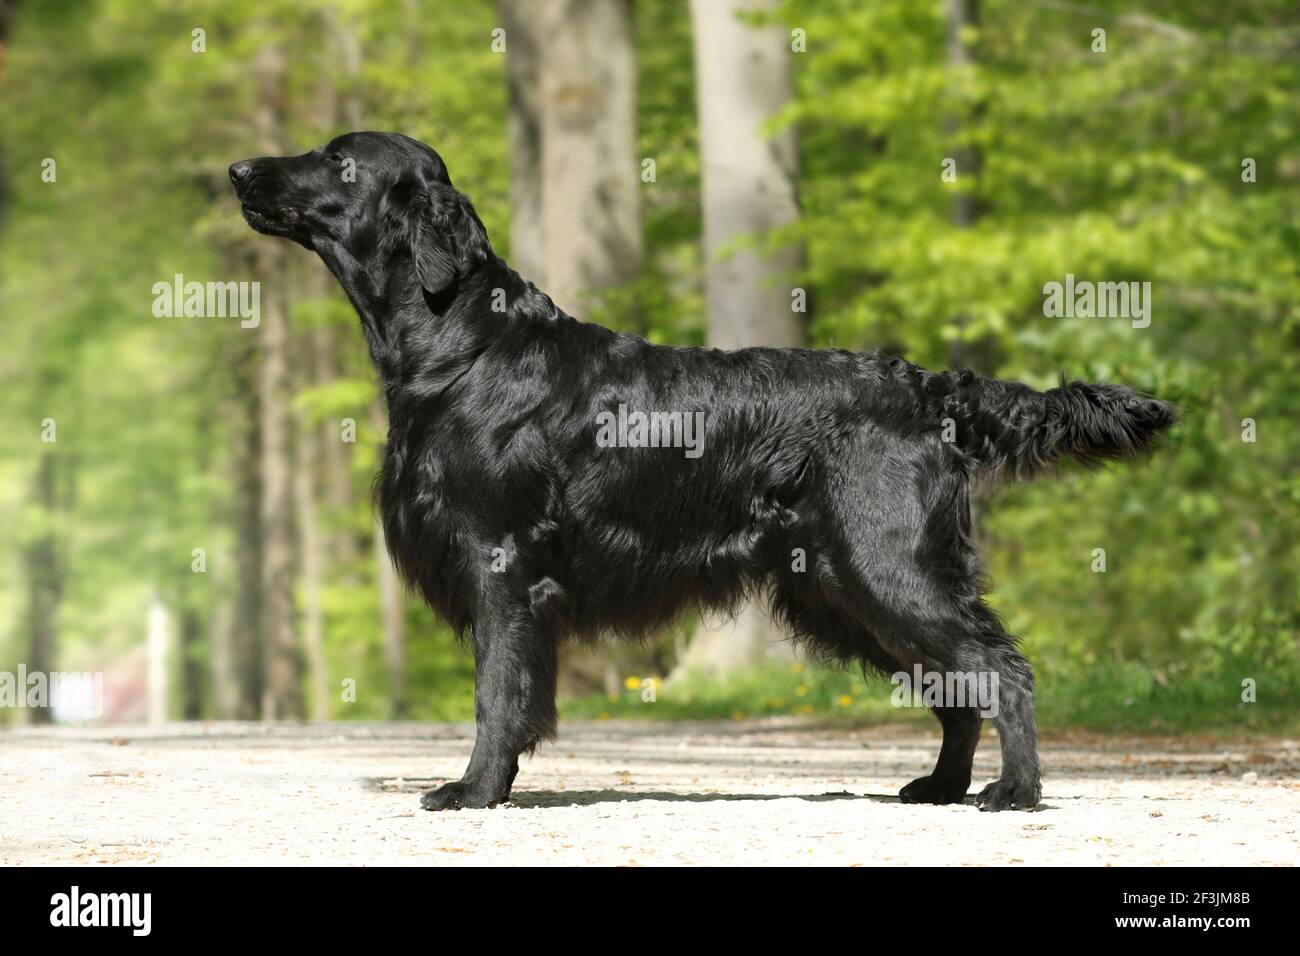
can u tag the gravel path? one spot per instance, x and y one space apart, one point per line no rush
778 791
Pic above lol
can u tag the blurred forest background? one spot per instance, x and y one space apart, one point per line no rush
679 171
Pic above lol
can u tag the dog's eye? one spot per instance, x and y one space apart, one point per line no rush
334 158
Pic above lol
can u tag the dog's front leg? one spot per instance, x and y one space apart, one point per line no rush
514 705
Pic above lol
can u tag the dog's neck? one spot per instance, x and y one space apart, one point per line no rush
373 302
421 342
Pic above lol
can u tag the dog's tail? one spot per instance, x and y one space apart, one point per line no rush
1009 428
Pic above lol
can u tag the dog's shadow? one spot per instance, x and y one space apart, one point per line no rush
539 799
544 799
550 799
530 799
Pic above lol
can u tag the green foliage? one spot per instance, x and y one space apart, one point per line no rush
142 129
1106 696
1118 166
769 691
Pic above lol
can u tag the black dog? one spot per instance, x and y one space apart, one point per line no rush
505 504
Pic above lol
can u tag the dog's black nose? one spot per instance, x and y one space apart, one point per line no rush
239 171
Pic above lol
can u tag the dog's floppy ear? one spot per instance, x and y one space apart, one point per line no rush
445 234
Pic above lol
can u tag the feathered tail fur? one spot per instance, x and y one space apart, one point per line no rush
1008 427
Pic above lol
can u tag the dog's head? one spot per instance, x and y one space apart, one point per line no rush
369 195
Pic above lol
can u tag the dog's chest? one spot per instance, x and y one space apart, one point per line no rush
419 518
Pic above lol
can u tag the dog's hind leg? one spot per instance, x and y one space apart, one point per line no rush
1019 787
976 646
514 705
980 655
981 672
1000 681
922 603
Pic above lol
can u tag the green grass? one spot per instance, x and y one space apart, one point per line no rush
1110 697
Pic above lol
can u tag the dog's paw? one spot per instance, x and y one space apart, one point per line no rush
460 795
934 790
1010 795
450 796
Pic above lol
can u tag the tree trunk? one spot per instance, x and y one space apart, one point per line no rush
306 465
6 15
237 675
45 577
158 658
191 648
749 182
524 135
392 612
961 16
225 682
743 75
590 181
313 611
282 691
336 495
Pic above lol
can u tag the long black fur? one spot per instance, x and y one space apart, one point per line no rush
520 530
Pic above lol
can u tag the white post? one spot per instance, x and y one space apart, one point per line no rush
157 652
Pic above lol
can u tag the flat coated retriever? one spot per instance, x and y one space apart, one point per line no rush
548 479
